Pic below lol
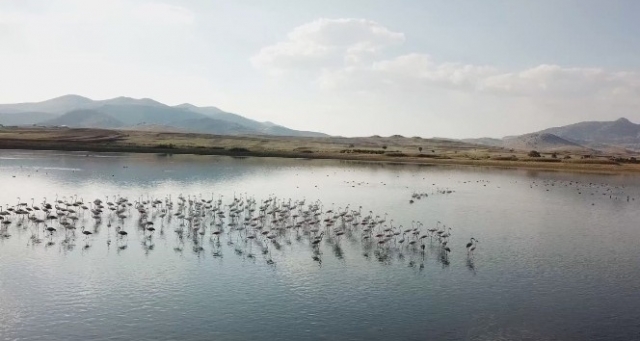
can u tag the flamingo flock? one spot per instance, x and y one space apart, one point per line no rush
252 227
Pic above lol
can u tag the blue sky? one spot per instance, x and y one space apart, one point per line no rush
353 68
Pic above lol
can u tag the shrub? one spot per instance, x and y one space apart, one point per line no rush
537 159
165 146
396 154
430 156
505 158
362 151
533 153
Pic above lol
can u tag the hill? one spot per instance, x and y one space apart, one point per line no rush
620 133
543 142
612 137
264 128
133 114
394 149
485 141
129 113
85 119
24 118
208 125
58 105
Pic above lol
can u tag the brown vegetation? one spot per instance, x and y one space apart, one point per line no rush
398 149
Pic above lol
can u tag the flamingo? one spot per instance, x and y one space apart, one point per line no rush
471 246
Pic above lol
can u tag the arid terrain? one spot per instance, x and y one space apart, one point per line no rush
396 148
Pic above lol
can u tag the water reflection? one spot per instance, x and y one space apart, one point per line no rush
546 251
471 265
268 223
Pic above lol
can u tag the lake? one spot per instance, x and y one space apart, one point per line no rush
557 257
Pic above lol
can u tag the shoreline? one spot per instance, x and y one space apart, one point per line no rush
448 153
525 165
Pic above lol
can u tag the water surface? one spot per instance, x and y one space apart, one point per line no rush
557 259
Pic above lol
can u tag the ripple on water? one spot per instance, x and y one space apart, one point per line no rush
549 265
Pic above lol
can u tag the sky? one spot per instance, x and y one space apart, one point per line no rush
352 68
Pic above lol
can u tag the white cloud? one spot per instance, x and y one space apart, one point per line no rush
417 71
343 55
556 81
327 43
411 71
333 71
347 64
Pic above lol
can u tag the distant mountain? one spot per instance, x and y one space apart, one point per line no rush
621 133
24 118
58 105
619 137
485 141
145 113
264 128
213 126
128 101
278 130
85 118
542 142
216 113
209 111
156 128
133 114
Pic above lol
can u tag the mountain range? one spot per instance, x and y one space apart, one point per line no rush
141 114
598 135
619 136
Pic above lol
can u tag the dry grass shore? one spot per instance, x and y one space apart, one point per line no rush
394 149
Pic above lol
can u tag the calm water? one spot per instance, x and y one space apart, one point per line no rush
557 260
